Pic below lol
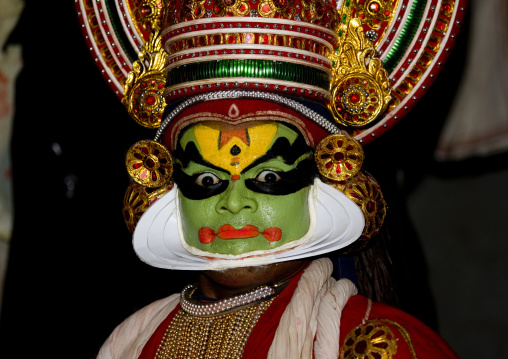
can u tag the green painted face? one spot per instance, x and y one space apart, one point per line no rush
243 189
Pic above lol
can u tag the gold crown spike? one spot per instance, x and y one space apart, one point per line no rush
144 88
360 88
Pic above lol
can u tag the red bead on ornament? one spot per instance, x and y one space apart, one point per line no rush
150 100
355 98
374 7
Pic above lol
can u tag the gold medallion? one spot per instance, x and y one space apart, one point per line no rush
137 199
149 164
339 157
372 340
366 193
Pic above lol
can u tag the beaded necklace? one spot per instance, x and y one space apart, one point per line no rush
218 329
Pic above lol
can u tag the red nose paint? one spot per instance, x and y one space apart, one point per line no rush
235 177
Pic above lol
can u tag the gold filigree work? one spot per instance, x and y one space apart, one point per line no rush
231 8
372 340
145 85
339 157
192 9
314 10
145 13
291 42
137 199
319 12
366 193
276 8
149 164
360 88
375 12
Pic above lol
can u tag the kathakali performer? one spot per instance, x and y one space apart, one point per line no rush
261 109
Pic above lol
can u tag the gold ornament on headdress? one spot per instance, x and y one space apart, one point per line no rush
137 200
360 88
144 13
144 88
339 157
366 193
149 164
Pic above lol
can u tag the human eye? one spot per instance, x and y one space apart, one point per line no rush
207 179
268 176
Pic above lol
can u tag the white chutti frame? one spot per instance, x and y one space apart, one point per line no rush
336 221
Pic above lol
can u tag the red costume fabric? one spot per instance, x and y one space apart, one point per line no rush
424 341
261 337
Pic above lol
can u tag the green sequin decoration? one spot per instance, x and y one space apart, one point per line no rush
267 69
132 54
406 35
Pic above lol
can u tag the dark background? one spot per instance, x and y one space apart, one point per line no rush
72 274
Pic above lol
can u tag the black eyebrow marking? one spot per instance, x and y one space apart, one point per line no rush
191 154
282 148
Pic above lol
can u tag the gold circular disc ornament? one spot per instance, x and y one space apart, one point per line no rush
372 340
366 193
357 100
137 200
339 157
146 102
149 164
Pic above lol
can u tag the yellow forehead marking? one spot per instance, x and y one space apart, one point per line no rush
235 149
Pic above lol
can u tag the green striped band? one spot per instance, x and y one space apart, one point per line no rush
116 23
259 69
406 35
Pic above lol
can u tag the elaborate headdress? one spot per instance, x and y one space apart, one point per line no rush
341 73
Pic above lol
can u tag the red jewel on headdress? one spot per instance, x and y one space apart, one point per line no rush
374 7
150 100
354 98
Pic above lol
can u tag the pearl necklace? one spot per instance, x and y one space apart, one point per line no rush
195 307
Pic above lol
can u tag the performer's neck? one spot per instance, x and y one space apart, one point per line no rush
234 281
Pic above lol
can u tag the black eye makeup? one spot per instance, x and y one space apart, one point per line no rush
268 176
281 183
207 179
199 186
